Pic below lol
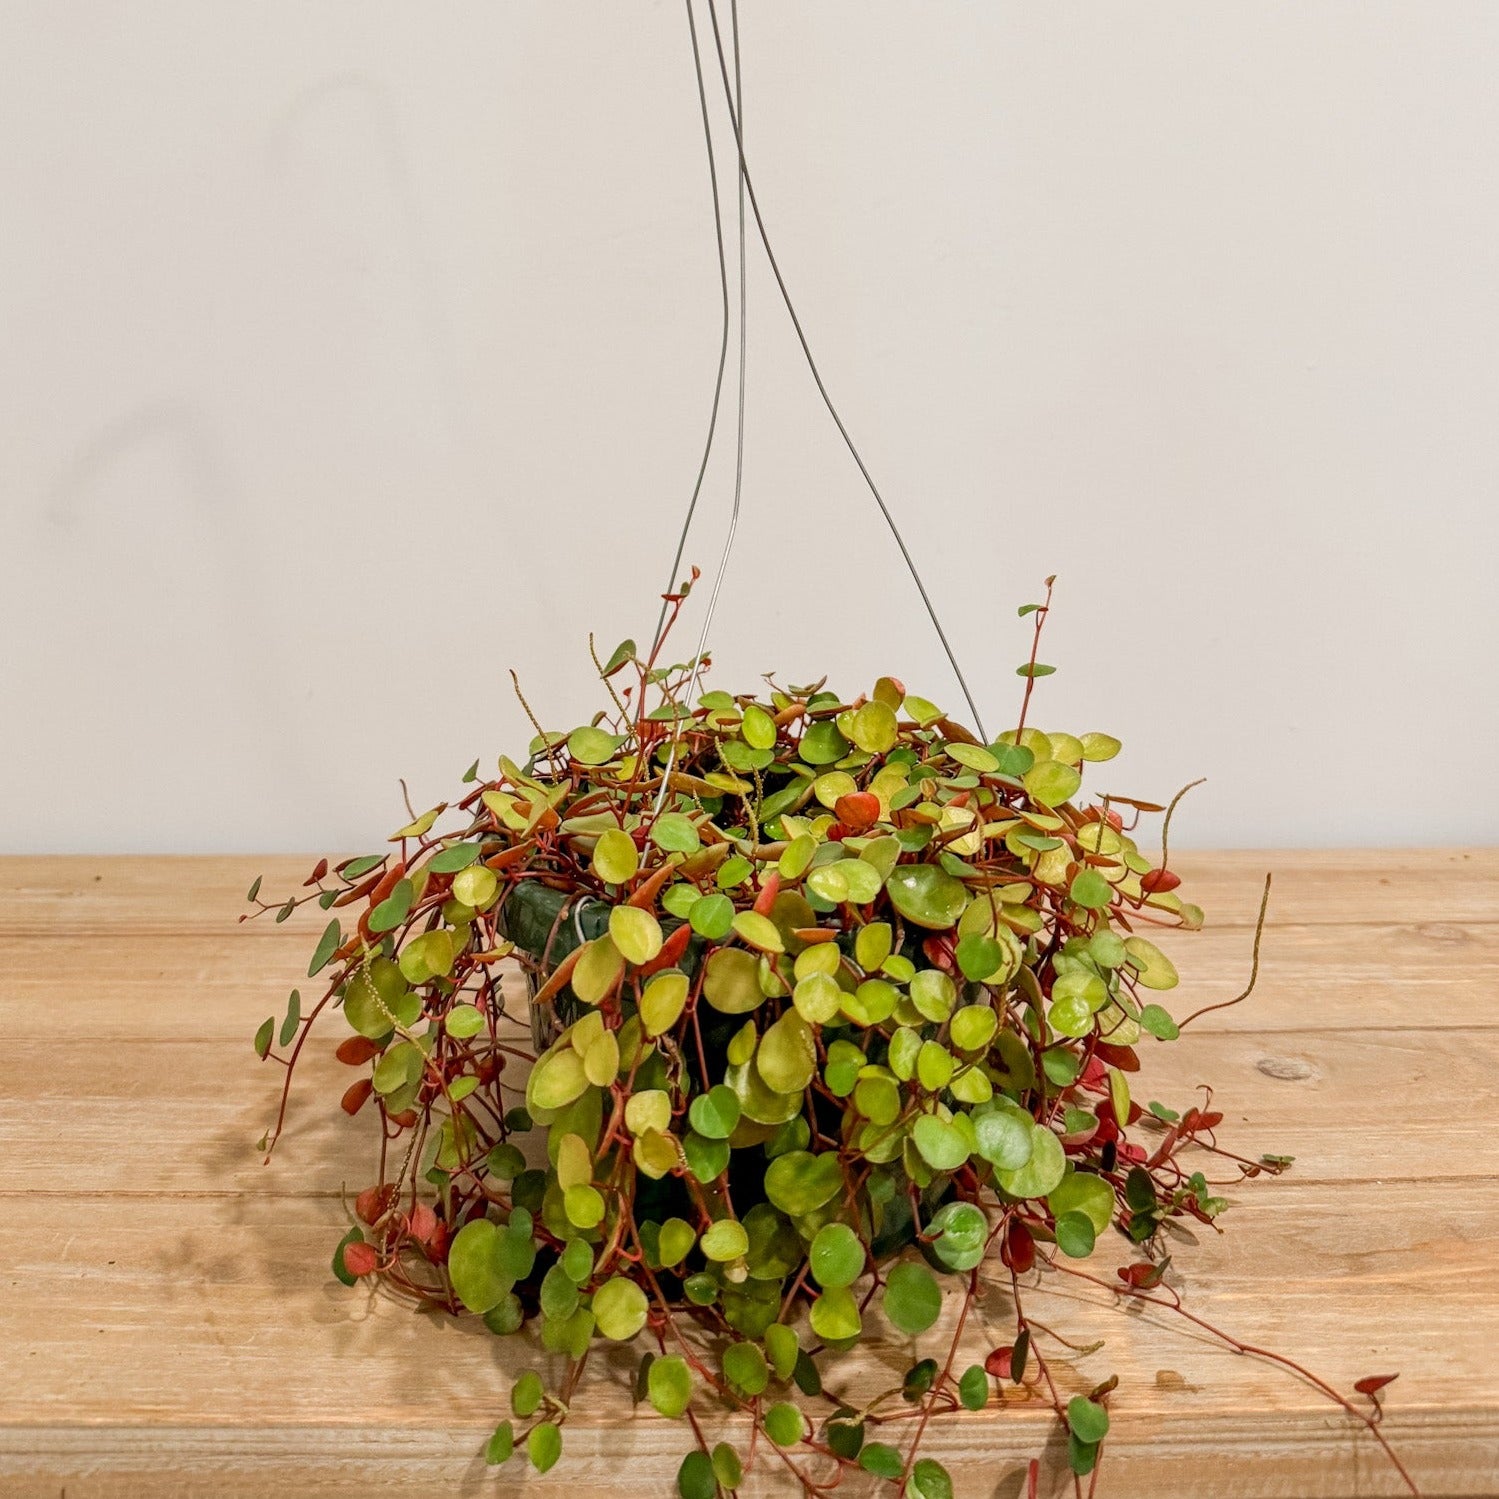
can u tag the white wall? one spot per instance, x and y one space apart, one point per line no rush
353 353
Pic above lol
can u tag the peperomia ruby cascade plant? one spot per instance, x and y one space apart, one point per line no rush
836 1012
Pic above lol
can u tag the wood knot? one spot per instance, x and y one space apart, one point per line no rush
1443 931
1285 1069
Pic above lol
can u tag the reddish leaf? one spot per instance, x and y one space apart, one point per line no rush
423 1223
768 892
1122 1057
858 810
361 1259
388 882
1142 1275
1094 1075
373 1201
1159 880
671 950
1018 1250
356 1094
1372 1384
939 953
999 1362
356 1051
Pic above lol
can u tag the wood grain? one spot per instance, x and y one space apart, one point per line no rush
170 1326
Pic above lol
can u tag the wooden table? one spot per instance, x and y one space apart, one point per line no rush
170 1325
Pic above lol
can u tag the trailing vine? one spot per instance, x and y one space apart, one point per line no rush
831 1025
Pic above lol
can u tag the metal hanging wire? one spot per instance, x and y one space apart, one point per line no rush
733 98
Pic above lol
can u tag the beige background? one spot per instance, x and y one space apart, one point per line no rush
353 353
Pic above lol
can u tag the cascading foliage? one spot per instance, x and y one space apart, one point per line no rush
834 1030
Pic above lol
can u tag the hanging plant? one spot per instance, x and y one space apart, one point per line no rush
833 1014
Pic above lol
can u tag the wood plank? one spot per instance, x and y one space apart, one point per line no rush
288 1367
172 1327
204 1104
162 895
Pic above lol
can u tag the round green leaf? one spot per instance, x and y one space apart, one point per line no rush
669 1385
758 728
615 857
782 1347
822 744
837 1256
927 895
1158 1022
675 1241
1075 1235
577 1261
960 1232
784 1424
787 1056
1155 969
556 1080
799 1183
929 1480
759 931
715 1113
584 1205
475 886
463 1021
872 727
1043 1170
731 981
880 1458
973 1027
597 970
1004 1136
1088 1419
544 1445
526 1393
725 1240
500 1445
695 1478
1090 890
394 909
1051 782
973 1388
794 862
727 1468
934 994
942 1146
835 1315
663 1000
974 757
1083 1192
745 1368
913 1299
474 1267
1071 1015
674 832
706 1159
877 1098
712 917
817 997
619 1306
636 933
592 746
